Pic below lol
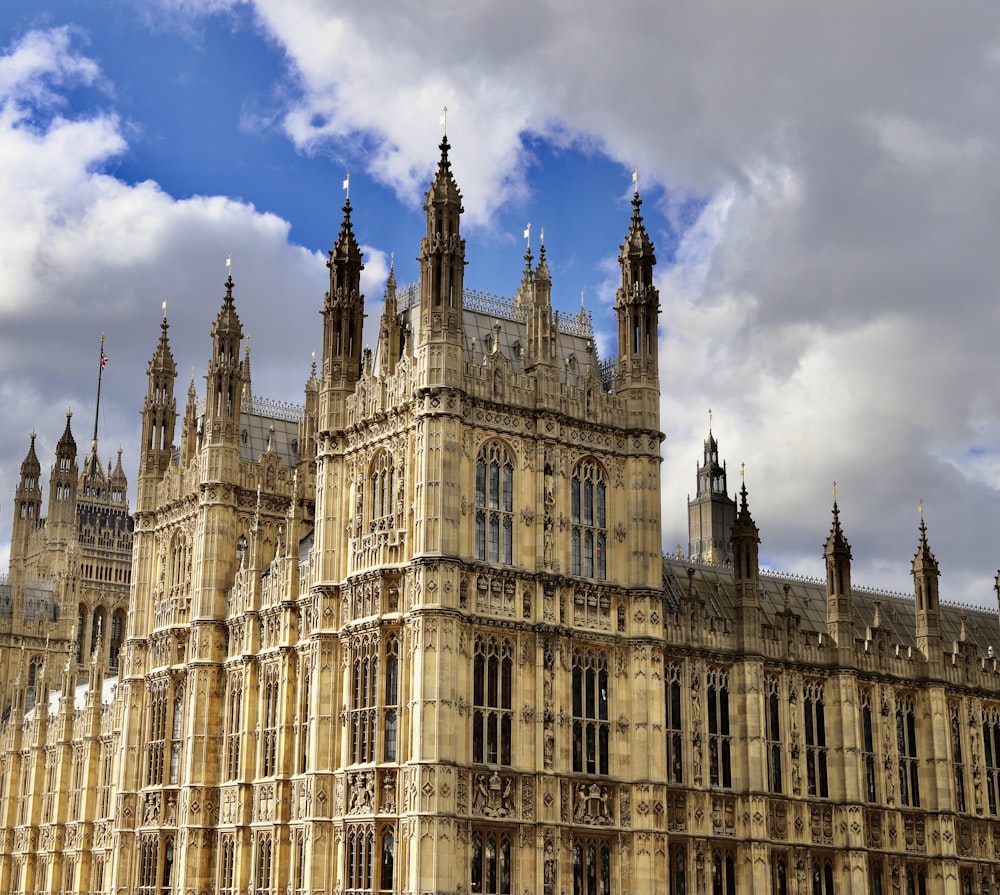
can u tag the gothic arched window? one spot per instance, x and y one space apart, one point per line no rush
720 771
675 739
117 630
492 701
773 729
382 486
991 745
906 743
588 514
591 867
591 714
495 504
814 718
491 862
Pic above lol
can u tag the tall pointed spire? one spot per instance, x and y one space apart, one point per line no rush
925 590
27 506
746 572
159 412
540 328
63 482
839 601
390 333
343 309
638 301
442 258
225 372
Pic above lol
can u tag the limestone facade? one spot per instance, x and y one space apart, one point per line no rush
419 636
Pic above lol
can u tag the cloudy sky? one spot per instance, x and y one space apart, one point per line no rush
822 183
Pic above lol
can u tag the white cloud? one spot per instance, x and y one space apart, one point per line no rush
834 303
82 252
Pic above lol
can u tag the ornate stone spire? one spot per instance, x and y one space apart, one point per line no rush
442 258
638 301
839 603
343 309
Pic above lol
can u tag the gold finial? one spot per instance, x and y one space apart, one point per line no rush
541 237
709 419
834 489
229 263
444 120
527 235
920 508
164 307
347 185
743 469
635 179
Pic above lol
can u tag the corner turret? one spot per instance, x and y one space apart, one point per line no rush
746 573
442 271
925 592
637 305
839 603
159 415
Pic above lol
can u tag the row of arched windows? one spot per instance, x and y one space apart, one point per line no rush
494 507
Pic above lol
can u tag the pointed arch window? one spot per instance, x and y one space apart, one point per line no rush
868 744
591 713
364 698
492 700
155 744
588 515
115 645
491 862
675 739
723 871
382 491
906 744
227 864
720 771
495 504
269 738
391 698
958 762
773 714
991 746
591 867
814 719
234 715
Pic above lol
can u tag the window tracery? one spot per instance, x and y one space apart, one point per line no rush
591 721
588 516
492 715
720 771
494 504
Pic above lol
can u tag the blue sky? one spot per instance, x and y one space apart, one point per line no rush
821 186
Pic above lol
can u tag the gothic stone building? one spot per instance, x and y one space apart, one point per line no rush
65 597
419 636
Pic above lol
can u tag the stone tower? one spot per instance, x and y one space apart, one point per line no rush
712 512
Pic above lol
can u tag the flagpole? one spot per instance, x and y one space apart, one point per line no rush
97 409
